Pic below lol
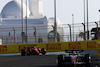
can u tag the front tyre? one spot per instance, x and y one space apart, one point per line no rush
43 51
59 65
60 60
87 60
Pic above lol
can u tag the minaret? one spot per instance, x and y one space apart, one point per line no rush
36 8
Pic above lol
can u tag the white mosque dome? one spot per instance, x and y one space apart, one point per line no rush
52 20
13 10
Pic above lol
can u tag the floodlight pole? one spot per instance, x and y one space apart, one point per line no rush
26 24
22 18
87 23
84 11
84 21
97 26
55 24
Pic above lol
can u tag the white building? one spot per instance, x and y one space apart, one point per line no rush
11 17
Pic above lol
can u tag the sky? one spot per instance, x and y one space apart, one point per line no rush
65 9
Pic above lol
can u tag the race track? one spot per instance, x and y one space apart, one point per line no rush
28 61
48 60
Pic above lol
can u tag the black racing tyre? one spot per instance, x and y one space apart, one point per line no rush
59 65
22 52
43 51
60 59
87 60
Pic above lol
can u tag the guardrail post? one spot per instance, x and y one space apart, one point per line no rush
97 31
14 35
70 32
35 34
84 32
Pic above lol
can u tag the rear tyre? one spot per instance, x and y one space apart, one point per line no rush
22 52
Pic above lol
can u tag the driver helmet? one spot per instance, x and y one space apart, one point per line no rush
74 53
34 46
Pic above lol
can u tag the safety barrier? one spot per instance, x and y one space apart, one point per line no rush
98 48
59 46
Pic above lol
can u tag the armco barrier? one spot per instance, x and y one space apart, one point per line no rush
59 46
98 48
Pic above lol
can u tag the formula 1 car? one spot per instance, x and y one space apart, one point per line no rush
32 50
74 58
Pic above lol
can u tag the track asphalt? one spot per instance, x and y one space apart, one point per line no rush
48 60
28 61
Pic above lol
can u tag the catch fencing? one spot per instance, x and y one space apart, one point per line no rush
76 33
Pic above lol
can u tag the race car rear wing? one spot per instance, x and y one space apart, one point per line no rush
71 51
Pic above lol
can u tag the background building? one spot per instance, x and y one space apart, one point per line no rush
11 24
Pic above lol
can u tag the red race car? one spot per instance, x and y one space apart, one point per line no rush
32 50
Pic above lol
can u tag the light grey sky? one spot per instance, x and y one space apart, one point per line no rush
65 9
